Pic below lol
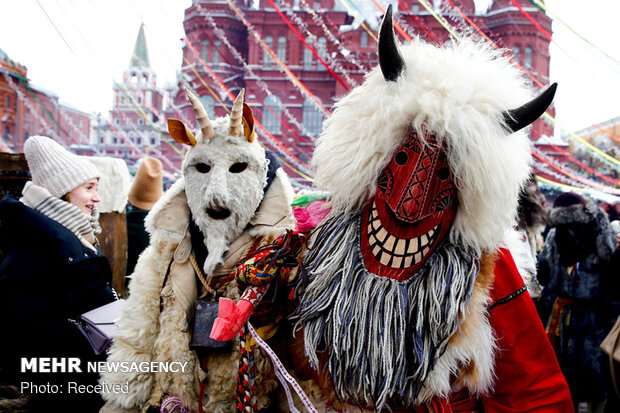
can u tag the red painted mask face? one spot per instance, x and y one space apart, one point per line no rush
411 212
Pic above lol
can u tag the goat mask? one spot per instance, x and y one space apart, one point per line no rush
225 171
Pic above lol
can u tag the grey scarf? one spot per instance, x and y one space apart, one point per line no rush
85 227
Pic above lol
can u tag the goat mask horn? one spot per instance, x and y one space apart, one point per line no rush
201 116
236 115
390 59
519 118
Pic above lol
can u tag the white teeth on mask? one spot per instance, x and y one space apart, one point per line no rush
418 257
395 252
407 262
397 261
382 234
385 258
401 245
423 240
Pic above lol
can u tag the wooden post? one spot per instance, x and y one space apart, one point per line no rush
113 244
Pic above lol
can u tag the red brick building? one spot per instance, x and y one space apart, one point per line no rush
219 49
26 110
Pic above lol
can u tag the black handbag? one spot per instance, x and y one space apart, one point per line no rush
204 317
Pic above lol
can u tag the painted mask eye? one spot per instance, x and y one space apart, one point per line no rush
238 167
444 173
401 158
203 168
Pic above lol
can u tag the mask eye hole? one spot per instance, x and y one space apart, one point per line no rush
203 168
401 158
238 167
444 173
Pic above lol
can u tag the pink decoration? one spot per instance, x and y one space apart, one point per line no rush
310 216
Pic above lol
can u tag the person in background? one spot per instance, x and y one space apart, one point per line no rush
147 188
575 267
52 273
526 240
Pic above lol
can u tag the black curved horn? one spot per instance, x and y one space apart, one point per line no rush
519 118
390 59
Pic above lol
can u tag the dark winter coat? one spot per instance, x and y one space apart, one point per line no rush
137 237
581 235
47 276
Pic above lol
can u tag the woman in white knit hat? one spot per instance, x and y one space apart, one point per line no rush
51 272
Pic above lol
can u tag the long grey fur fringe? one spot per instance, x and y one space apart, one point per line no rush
382 336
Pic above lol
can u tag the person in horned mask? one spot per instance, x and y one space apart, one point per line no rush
233 197
412 303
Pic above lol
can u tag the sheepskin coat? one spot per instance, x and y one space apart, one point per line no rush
146 334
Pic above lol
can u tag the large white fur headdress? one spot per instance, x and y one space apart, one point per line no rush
464 92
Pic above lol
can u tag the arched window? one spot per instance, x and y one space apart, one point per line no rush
216 52
204 50
312 118
271 112
282 48
322 51
307 57
267 59
516 54
209 103
527 60
364 39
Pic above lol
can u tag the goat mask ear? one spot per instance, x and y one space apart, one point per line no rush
180 132
248 123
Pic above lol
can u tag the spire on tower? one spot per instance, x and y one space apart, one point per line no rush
140 56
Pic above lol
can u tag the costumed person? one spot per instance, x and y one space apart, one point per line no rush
233 198
52 273
526 240
574 267
411 303
146 189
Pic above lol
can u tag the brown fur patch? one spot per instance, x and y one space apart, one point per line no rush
482 286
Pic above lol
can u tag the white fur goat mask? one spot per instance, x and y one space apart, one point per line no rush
225 172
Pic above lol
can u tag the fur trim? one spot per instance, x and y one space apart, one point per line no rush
586 214
275 215
152 221
471 351
456 92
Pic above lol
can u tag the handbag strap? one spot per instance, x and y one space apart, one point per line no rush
612 366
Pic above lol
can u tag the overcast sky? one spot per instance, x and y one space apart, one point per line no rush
80 47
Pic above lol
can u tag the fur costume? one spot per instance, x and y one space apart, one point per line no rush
225 172
410 302
575 264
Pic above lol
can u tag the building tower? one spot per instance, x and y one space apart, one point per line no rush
136 116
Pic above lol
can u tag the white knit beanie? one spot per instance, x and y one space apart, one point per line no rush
55 168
